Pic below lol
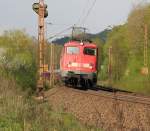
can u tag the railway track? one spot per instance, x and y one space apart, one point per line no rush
110 93
103 107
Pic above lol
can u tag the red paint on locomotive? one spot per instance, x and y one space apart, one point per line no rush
79 60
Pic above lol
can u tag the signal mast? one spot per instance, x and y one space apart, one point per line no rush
40 9
110 65
145 70
145 49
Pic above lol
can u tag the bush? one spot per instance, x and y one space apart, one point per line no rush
19 112
18 58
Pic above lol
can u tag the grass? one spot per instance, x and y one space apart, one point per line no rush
135 83
19 112
139 84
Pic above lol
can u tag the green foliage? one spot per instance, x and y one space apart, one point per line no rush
21 113
127 42
100 45
103 36
57 53
61 41
120 51
17 57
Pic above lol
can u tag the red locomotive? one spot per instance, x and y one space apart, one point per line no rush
78 63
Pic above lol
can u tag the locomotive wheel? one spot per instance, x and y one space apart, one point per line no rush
91 83
75 82
83 84
65 82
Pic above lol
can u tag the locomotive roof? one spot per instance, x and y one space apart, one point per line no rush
78 43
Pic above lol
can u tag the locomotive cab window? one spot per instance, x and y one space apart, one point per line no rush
89 51
72 50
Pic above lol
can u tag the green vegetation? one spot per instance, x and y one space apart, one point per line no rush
127 42
17 58
57 53
18 68
18 112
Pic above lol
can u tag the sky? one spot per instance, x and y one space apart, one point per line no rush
18 14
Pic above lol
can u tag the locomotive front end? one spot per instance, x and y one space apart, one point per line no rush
79 63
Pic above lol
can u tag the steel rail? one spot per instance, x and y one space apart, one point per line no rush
113 95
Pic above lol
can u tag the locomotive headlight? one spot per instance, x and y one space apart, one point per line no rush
89 65
73 64
69 64
86 65
81 43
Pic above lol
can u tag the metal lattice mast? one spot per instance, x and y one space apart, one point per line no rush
41 44
145 70
145 46
40 9
52 65
110 64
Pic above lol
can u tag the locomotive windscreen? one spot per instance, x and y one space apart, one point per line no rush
90 51
72 50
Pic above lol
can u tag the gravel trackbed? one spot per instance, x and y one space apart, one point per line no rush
105 113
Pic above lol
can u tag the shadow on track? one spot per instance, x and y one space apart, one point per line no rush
108 89
98 88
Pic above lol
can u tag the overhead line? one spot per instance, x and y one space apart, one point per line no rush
89 11
79 20
59 24
59 33
83 21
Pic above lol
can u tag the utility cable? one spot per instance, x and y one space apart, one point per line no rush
59 33
83 12
88 12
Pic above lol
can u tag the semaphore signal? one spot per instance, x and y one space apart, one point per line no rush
41 9
36 7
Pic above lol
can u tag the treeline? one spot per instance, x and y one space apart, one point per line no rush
18 69
127 43
18 58
18 54
102 36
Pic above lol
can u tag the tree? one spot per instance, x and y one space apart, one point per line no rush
19 58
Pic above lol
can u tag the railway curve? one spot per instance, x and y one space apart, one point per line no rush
107 108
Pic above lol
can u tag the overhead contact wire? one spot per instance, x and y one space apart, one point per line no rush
59 33
89 11
84 10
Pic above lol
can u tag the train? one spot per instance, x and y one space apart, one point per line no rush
79 63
